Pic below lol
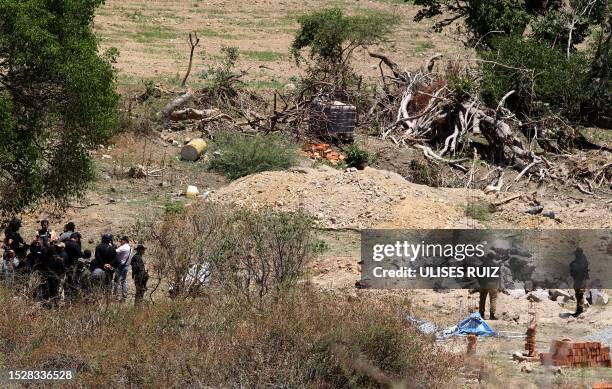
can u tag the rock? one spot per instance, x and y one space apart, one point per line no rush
290 87
500 246
106 156
554 294
599 297
538 295
519 251
527 368
137 172
555 370
518 356
517 293
535 210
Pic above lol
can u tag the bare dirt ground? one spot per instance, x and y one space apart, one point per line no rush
151 37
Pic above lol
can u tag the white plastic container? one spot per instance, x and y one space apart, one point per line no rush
192 191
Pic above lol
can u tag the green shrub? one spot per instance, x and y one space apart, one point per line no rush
543 78
237 155
356 157
480 210
174 207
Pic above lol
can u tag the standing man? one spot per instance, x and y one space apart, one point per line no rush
490 287
44 234
579 270
139 273
104 264
73 251
124 255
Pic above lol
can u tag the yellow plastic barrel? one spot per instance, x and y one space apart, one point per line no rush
194 149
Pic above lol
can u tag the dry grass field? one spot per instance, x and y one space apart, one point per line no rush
152 36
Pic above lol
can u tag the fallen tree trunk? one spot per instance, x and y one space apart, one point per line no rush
176 103
193 114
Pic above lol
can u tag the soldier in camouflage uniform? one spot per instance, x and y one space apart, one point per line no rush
579 270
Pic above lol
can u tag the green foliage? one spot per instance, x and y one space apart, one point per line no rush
237 155
356 157
550 21
543 78
481 16
480 210
57 100
222 78
332 36
174 207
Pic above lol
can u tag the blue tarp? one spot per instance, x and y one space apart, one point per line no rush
476 325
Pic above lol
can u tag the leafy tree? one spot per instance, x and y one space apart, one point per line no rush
558 22
57 100
332 37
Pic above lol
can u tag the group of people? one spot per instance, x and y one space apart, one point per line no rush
60 263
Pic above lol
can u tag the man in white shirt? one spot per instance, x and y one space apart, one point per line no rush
124 257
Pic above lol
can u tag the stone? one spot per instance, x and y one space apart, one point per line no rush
599 297
554 294
500 246
538 295
518 356
527 368
517 293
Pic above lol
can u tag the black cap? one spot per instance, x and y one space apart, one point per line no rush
75 235
107 238
140 246
125 238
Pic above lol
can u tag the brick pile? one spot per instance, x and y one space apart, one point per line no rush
530 342
576 354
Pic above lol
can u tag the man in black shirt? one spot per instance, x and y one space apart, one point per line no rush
105 262
139 273
73 251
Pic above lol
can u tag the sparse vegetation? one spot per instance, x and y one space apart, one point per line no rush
356 157
481 210
236 155
302 338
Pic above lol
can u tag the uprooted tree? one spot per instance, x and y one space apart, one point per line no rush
57 100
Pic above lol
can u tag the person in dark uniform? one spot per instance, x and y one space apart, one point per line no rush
579 270
73 253
105 263
51 268
139 273
13 239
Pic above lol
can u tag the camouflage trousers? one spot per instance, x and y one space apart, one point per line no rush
492 293
579 299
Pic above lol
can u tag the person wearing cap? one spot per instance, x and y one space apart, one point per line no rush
12 237
139 273
124 255
105 262
73 252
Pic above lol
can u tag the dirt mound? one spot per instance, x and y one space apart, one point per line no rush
369 198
